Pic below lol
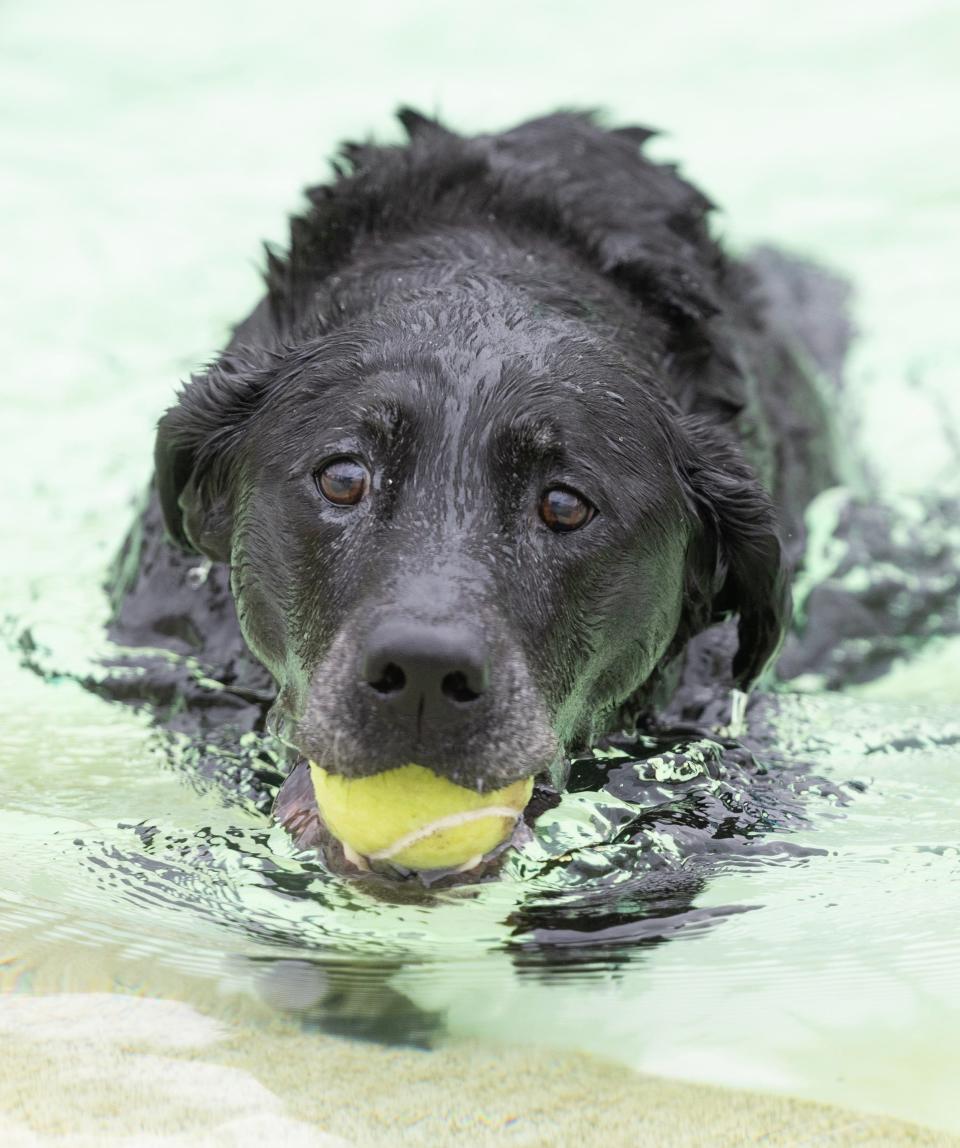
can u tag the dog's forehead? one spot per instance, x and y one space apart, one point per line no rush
477 396
544 394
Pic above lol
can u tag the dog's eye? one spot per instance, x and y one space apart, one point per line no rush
343 481
563 509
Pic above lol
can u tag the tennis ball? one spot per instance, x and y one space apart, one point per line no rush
413 817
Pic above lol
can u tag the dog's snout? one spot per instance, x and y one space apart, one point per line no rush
427 671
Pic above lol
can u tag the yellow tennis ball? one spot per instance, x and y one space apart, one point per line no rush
413 817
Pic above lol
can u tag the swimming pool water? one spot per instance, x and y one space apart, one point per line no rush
151 149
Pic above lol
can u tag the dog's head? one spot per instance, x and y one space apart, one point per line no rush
466 512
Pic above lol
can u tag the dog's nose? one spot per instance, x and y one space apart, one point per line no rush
430 672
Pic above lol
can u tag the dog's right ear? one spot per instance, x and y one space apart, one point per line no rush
173 467
196 454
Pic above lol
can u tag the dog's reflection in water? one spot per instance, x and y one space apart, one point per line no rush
356 1001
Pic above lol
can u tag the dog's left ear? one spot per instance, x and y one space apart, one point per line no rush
750 574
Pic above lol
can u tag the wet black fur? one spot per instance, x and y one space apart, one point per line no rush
545 304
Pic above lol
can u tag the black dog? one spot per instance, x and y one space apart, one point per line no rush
506 433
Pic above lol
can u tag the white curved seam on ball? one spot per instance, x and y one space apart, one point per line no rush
450 821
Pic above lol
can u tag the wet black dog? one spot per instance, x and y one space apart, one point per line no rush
506 433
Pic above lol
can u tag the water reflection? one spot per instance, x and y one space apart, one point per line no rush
354 1000
614 867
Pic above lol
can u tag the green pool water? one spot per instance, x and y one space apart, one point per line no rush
147 151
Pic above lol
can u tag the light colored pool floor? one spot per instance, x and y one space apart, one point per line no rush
103 1071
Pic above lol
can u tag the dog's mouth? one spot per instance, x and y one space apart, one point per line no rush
406 821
